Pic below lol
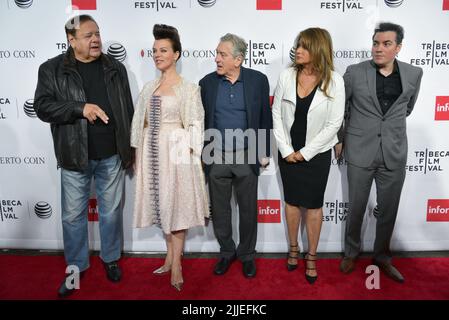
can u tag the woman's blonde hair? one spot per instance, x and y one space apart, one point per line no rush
319 44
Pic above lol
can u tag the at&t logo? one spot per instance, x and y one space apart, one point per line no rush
23 4
207 3
43 210
29 109
117 51
393 3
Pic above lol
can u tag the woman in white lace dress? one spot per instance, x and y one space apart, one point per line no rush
167 132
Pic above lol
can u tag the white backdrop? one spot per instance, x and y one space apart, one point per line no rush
32 31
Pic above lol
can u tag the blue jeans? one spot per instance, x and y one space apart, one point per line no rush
75 191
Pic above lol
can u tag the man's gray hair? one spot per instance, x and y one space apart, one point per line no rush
239 45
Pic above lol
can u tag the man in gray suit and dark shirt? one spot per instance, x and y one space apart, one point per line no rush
380 94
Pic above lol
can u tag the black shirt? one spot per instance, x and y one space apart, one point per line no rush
388 88
298 130
101 136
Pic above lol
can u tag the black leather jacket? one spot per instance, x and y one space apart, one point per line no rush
59 99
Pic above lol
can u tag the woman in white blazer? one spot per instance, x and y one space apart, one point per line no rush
308 110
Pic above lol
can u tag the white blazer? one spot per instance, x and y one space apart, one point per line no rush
324 118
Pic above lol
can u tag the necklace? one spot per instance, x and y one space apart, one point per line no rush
306 89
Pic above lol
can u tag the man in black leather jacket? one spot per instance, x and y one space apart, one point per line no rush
85 96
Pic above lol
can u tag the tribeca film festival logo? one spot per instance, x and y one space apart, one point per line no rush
117 51
433 54
156 5
335 212
428 161
343 5
5 107
438 210
260 53
269 211
8 209
61 47
442 108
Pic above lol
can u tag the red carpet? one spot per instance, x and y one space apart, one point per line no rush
38 277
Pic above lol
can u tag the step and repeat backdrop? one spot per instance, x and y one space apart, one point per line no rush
32 31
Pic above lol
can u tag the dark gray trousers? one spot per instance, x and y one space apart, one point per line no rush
222 177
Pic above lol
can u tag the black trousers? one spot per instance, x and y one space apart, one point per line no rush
222 178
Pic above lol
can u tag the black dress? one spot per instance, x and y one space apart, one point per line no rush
304 182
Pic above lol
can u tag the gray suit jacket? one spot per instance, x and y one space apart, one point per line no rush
366 127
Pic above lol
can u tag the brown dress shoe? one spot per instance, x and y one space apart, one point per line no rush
347 265
390 271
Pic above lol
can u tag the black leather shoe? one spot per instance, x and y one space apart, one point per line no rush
347 265
223 265
249 268
64 291
390 271
113 271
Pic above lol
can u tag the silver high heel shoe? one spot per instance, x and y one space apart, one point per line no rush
161 271
177 286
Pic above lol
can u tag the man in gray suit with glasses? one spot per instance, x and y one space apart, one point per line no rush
380 94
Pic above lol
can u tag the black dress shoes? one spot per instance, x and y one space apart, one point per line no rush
249 268
347 265
113 271
67 286
223 265
64 291
389 271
